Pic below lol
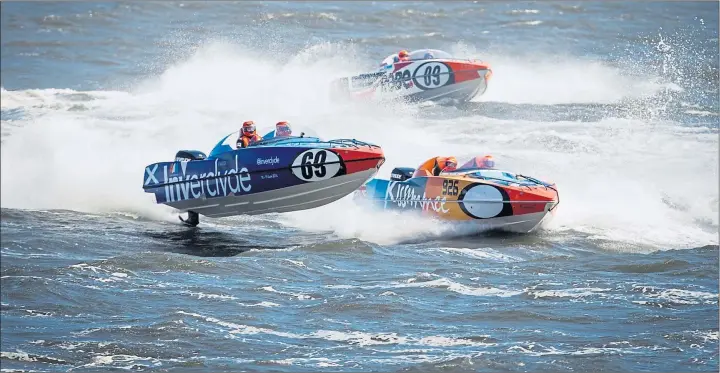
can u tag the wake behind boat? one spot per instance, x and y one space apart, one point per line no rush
277 174
420 75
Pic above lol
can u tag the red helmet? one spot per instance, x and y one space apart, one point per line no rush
248 128
448 164
403 54
487 162
282 129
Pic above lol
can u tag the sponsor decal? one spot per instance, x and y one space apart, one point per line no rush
484 201
397 80
209 184
368 76
150 172
431 75
268 161
270 176
450 187
316 165
174 167
405 196
396 176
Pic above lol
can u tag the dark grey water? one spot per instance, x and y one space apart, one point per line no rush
616 102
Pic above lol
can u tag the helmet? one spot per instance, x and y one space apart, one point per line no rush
403 54
487 162
428 56
283 129
248 128
449 164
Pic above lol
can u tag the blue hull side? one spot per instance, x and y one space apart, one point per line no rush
403 194
241 172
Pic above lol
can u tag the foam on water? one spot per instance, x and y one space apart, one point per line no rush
631 180
359 338
555 80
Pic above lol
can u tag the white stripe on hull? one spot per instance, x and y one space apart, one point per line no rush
463 91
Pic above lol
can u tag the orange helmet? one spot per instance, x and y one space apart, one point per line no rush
448 164
248 128
282 129
403 54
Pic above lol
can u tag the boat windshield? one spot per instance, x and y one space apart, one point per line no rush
491 174
479 162
424 54
297 131
498 176
304 136
287 140
317 142
416 55
227 143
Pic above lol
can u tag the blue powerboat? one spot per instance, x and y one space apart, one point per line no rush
277 174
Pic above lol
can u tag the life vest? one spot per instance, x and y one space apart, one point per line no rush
245 141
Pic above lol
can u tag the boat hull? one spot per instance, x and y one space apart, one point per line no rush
264 179
460 92
418 81
484 204
288 199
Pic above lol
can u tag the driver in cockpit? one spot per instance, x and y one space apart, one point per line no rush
434 166
388 63
480 162
403 55
248 135
282 129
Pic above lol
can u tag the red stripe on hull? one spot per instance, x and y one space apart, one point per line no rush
467 71
532 196
361 159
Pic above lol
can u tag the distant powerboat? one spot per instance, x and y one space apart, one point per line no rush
427 75
277 174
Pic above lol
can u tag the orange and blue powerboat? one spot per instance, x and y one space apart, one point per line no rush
490 198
